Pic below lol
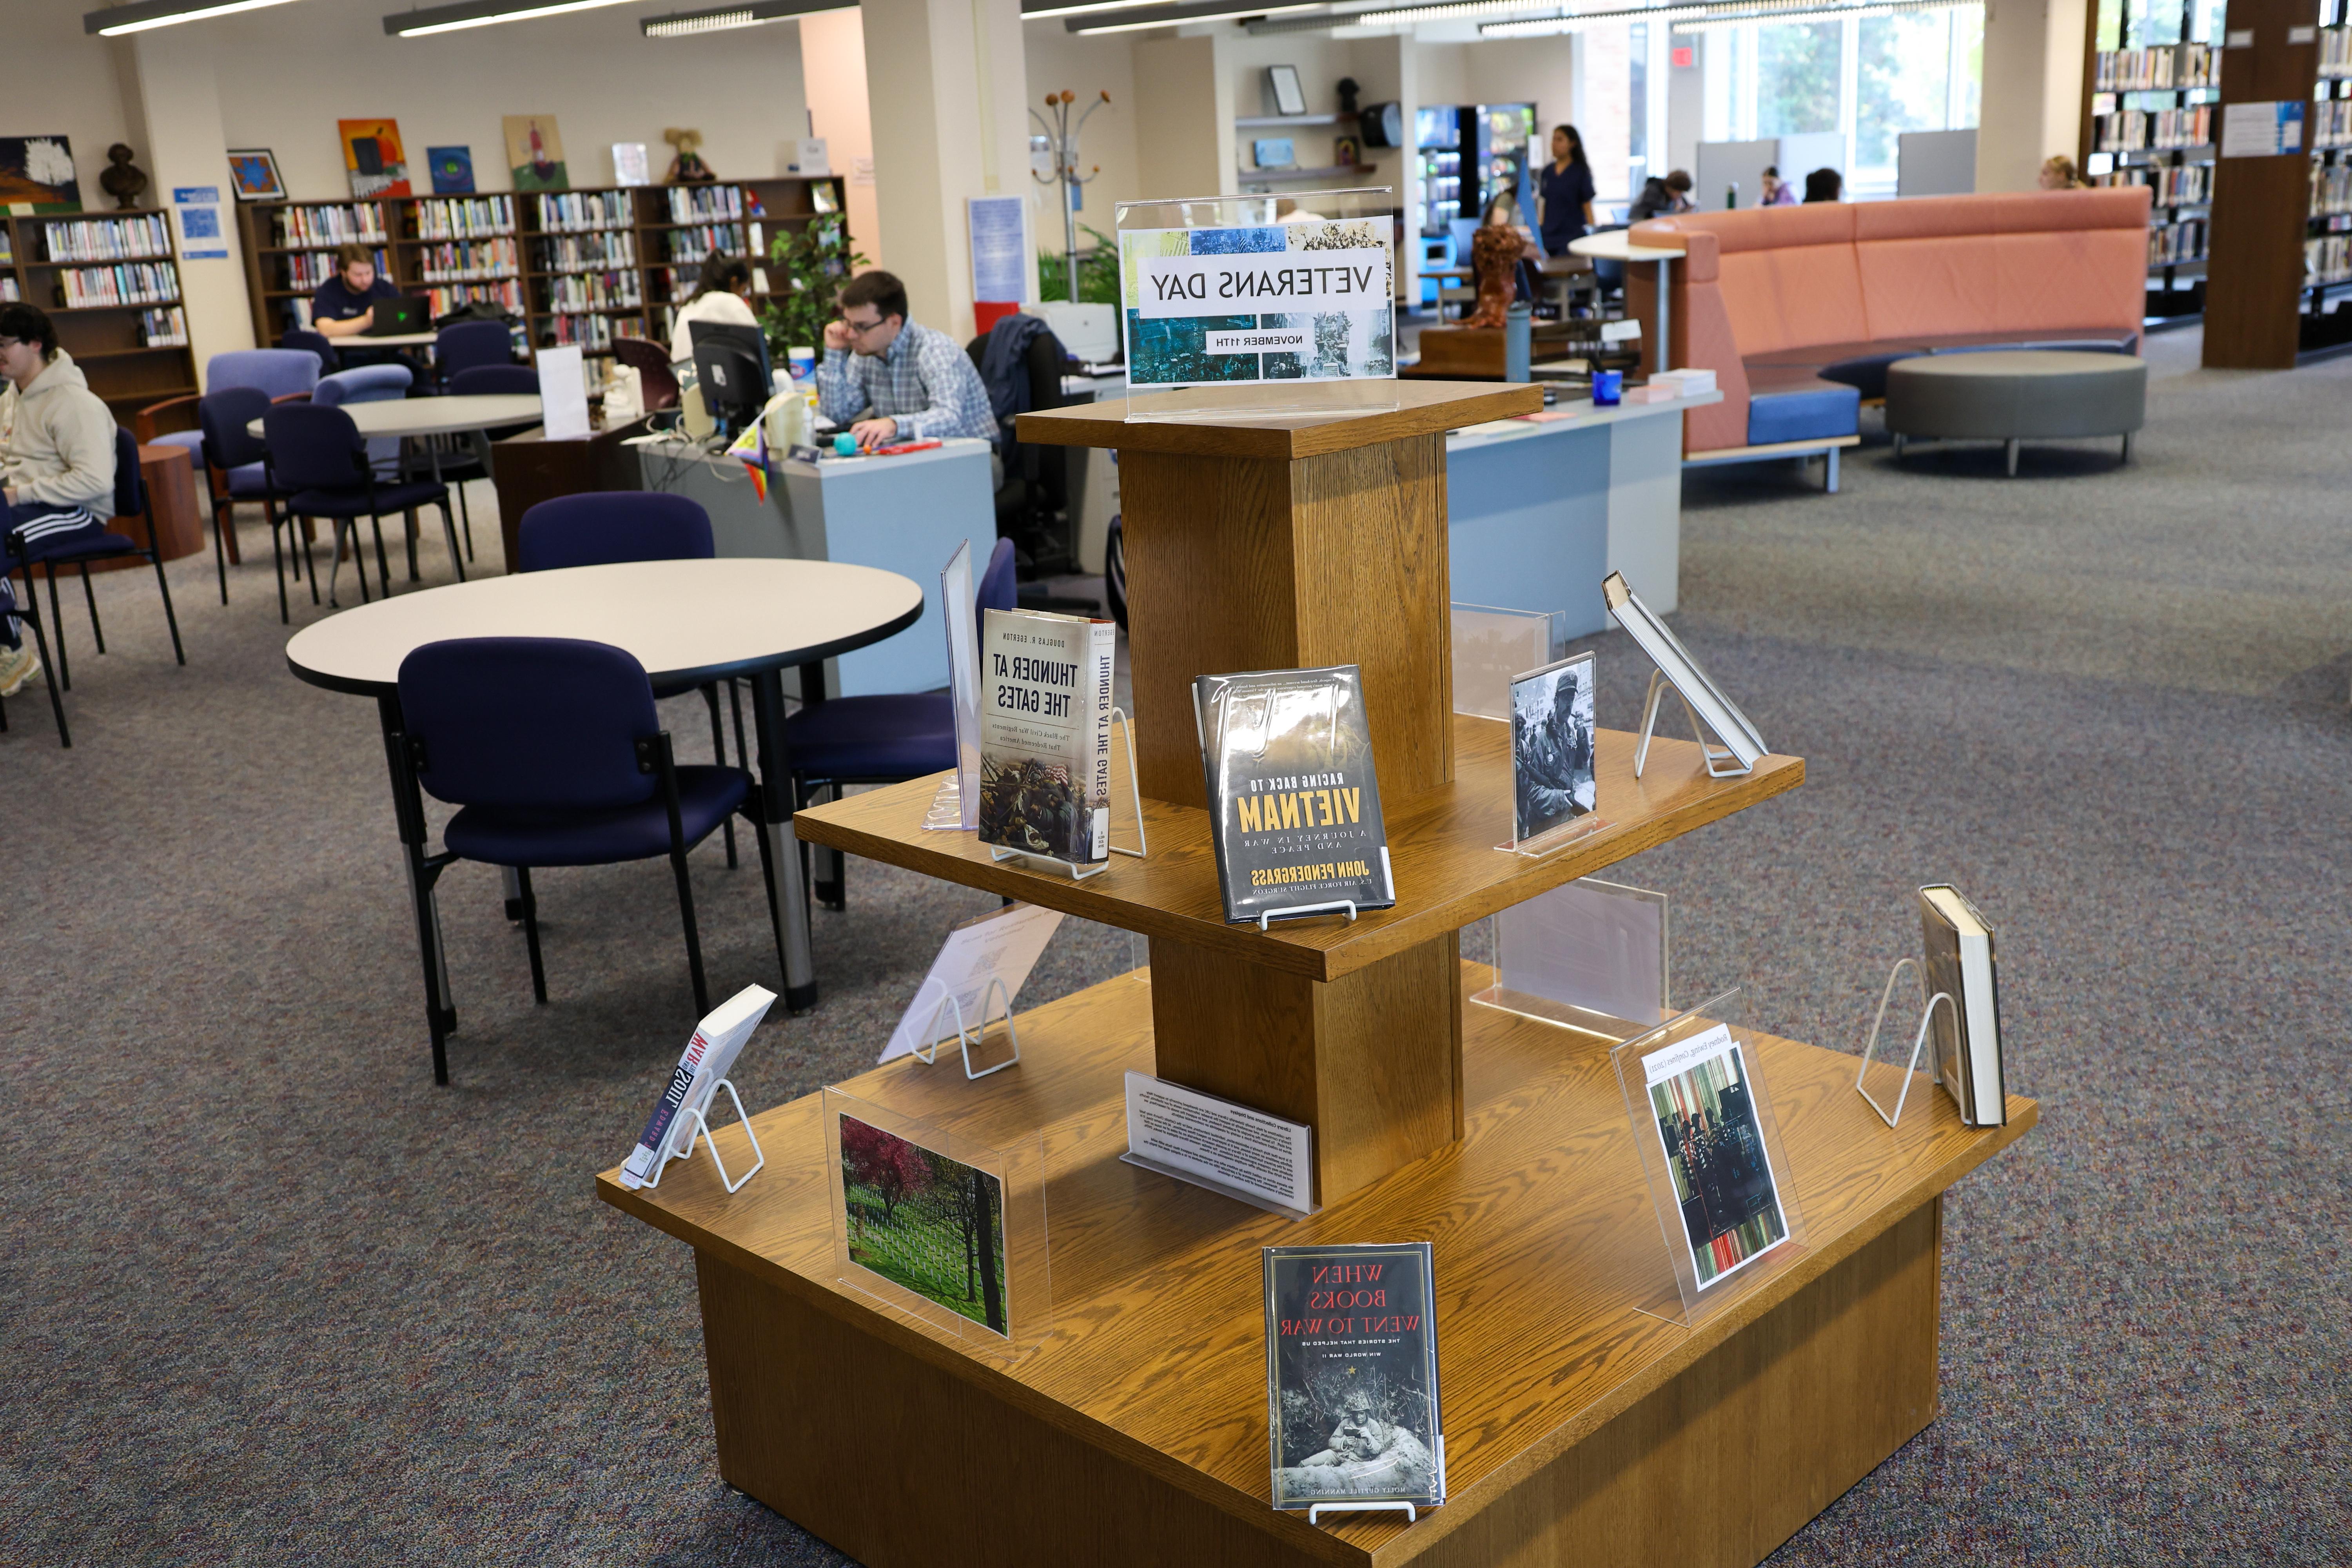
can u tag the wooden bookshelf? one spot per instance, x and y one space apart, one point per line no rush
109 342
2151 115
531 284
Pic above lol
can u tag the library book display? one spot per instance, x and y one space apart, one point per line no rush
1585 1410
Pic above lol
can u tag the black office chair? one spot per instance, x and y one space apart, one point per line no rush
1032 504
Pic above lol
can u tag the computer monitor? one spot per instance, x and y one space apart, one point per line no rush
730 365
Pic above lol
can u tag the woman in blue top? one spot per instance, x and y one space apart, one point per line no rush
1566 186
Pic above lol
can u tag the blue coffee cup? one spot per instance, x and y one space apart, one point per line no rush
1608 387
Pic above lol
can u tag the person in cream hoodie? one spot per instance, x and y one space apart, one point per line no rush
56 463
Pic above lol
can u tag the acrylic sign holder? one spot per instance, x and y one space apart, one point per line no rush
1080 873
693 1121
967 1037
1918 1040
1718 757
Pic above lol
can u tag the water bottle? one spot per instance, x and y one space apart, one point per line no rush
1731 195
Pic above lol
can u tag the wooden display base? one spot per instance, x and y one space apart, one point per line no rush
1351 1028
1579 1427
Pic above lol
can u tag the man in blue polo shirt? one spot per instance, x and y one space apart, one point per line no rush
345 303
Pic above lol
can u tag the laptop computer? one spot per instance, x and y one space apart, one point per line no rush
399 316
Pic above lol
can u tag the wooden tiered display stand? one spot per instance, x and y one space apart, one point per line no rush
1581 1420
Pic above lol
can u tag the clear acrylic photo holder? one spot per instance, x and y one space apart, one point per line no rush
1134 795
1491 645
956 806
1588 955
1692 1299
1918 1040
914 1252
1350 367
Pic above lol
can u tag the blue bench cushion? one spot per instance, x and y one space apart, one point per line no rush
1794 406
506 837
892 736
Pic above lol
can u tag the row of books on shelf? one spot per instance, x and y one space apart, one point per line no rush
2331 122
2327 258
2133 130
2159 69
2331 189
312 270
697 204
440 301
2174 184
2335 51
163 329
462 259
8 289
578 210
7 248
109 239
579 291
328 226
465 217
695 244
592 332
589 253
130 283
2172 244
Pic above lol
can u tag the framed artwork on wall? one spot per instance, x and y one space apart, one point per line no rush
38 172
452 169
373 158
253 175
535 154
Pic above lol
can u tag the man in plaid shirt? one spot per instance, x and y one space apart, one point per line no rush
891 379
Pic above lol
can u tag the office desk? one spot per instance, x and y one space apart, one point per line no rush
1536 515
903 515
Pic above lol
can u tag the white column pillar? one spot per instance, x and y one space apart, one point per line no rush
2032 101
179 99
948 93
833 72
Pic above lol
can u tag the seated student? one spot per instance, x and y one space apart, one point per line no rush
1777 192
57 461
723 294
1824 185
2058 173
345 303
1679 182
891 379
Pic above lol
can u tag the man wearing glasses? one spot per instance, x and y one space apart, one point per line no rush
56 462
891 379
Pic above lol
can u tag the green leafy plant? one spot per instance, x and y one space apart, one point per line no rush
808 265
1098 272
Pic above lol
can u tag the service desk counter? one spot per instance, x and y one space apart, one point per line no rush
904 514
1538 513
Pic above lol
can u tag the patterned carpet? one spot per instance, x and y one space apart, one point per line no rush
272 1297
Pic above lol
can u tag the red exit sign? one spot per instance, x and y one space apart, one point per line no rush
1684 57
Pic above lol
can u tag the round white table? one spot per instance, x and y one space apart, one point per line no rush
1617 244
388 340
404 416
687 622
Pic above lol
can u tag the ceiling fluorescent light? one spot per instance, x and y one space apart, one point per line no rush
1038 10
691 24
121 20
481 13
1710 16
1176 15
1448 11
1716 21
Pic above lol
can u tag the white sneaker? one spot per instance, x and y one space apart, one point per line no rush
18 666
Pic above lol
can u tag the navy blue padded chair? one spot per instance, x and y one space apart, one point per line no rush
318 343
471 345
316 454
551 749
607 527
131 500
883 738
238 460
461 465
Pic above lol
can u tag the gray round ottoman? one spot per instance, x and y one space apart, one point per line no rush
2016 395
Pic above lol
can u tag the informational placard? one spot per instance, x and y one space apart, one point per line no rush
1298 290
1002 945
630 164
811 157
1215 1143
2265 130
562 395
202 239
999 226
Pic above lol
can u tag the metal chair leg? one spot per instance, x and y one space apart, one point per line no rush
677 846
277 560
2012 459
57 619
220 550
382 566
466 512
89 596
1830 480
449 533
718 754
2128 444
531 934
41 647
408 523
163 583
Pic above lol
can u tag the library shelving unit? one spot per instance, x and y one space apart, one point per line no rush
2150 116
577 267
2327 247
111 282
1584 1412
2273 289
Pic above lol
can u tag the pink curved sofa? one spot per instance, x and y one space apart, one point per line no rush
1796 302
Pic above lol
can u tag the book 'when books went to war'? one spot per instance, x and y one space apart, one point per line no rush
1351 1375
1958 941
1045 734
1287 755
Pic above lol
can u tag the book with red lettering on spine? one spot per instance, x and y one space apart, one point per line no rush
1351 1375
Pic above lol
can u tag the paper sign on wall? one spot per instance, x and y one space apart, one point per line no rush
201 237
999 228
562 395
2266 130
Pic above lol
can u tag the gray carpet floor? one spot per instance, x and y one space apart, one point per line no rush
272 1297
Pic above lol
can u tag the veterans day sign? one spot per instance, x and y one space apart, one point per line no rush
1310 299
